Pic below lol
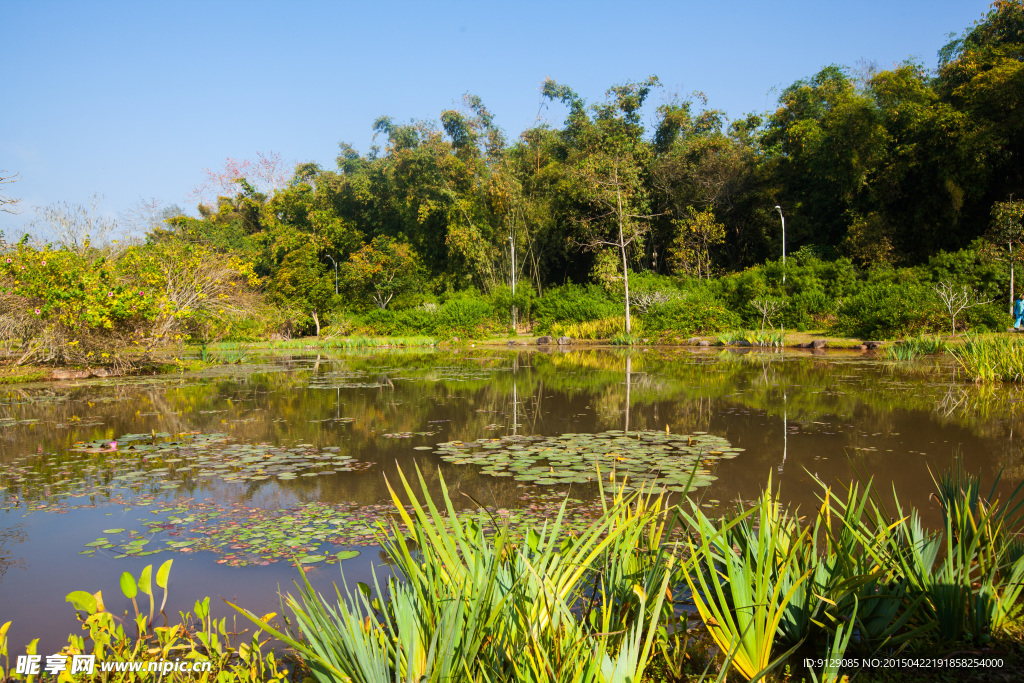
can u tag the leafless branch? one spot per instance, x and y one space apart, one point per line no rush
768 308
8 204
956 300
76 227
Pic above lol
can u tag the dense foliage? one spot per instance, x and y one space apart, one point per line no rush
893 184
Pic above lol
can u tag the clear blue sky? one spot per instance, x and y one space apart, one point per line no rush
133 99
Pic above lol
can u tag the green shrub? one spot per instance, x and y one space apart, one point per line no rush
888 309
574 304
389 322
813 288
463 315
502 301
897 303
691 315
219 652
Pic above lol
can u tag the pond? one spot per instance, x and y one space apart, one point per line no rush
238 471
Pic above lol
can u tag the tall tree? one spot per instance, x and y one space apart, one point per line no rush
608 161
1007 229
381 270
827 140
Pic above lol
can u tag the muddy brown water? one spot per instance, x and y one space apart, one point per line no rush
799 417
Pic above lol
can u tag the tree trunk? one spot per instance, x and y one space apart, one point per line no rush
622 248
316 319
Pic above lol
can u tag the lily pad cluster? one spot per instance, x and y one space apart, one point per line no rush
157 462
666 462
11 422
315 532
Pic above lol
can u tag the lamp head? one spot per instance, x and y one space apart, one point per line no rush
778 208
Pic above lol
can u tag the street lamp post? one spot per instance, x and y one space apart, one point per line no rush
335 272
783 219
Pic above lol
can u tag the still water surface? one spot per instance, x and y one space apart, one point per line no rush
233 471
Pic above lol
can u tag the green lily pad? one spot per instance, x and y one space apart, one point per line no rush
645 458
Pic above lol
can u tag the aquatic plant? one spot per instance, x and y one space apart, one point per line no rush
762 338
469 606
915 347
197 638
742 594
651 458
165 462
990 359
325 342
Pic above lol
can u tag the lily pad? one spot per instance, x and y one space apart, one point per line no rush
643 457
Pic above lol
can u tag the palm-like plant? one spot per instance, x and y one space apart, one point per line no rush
471 605
743 577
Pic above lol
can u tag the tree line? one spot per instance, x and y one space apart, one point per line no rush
881 167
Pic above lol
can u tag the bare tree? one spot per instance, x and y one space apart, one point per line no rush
76 227
267 173
768 308
207 286
645 301
143 216
957 300
8 204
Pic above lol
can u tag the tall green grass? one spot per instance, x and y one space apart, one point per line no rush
753 337
991 359
470 600
469 606
915 347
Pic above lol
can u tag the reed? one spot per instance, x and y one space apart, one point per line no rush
915 347
991 359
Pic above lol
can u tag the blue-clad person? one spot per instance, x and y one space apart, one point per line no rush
1018 311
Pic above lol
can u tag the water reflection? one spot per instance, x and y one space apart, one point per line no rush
798 416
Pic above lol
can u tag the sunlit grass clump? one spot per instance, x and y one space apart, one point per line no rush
991 359
469 597
915 347
605 328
